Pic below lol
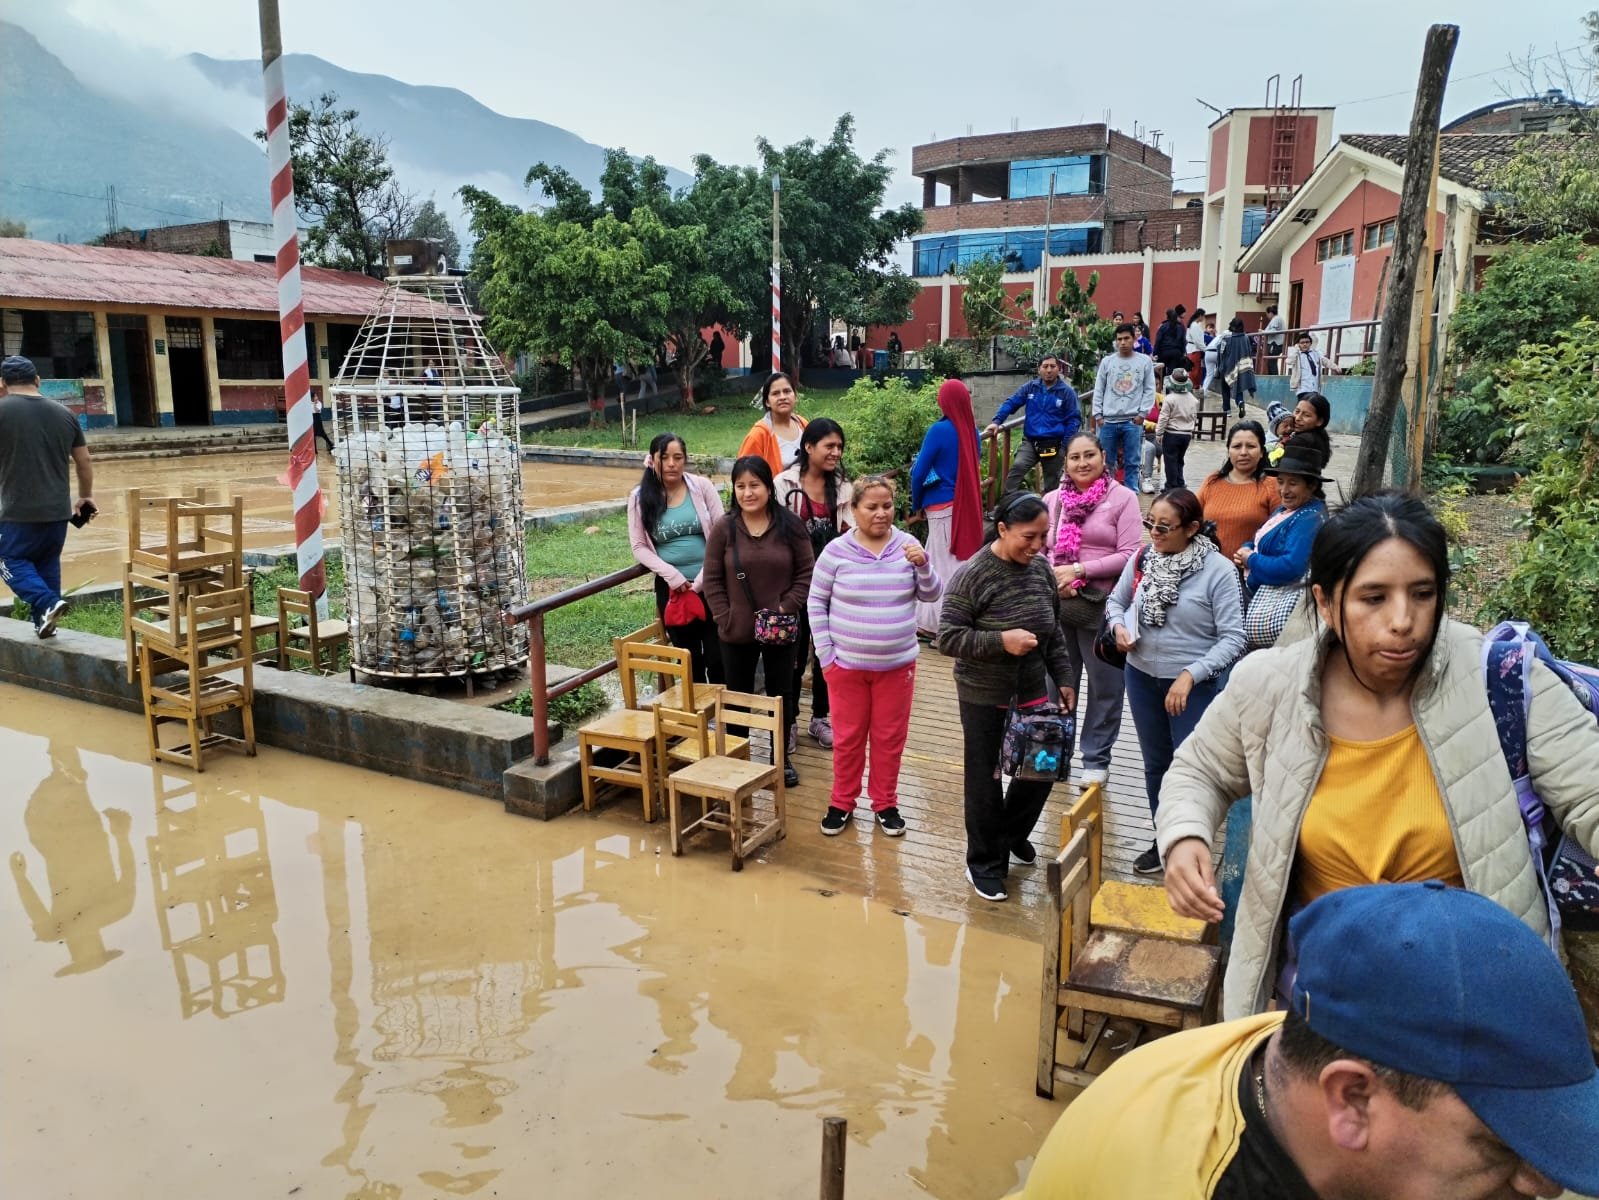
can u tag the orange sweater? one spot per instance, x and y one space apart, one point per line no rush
1237 508
762 442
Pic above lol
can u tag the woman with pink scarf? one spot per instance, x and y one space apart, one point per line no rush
1093 530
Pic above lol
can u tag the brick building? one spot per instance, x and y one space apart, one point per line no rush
242 241
131 337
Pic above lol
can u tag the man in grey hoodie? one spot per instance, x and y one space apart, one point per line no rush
1124 391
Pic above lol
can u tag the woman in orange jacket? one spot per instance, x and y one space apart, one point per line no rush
776 436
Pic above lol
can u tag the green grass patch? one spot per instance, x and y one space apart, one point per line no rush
571 710
710 433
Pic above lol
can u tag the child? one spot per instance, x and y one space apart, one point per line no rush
1179 418
1281 430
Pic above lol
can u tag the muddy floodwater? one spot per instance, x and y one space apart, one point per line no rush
95 553
285 977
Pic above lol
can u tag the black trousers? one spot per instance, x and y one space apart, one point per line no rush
699 638
997 818
1173 449
319 430
804 655
739 660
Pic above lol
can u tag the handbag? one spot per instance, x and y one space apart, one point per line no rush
1083 608
772 628
1268 613
1037 743
1105 647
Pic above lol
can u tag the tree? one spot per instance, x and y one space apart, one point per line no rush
984 302
430 222
837 238
1528 293
11 228
344 184
1070 327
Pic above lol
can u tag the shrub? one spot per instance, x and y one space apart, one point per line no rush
1552 394
1471 427
570 710
883 426
1527 294
948 359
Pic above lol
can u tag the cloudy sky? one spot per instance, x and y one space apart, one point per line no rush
676 77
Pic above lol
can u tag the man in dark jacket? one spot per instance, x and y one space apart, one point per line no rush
1054 415
1171 341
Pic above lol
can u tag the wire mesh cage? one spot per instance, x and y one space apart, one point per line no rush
430 487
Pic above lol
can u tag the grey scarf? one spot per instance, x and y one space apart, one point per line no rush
1163 574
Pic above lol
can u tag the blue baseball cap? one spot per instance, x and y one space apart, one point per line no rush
1446 985
16 369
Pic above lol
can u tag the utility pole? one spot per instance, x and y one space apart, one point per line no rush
1410 239
302 473
777 280
1418 357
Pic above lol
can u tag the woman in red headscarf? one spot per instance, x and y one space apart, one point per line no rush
945 488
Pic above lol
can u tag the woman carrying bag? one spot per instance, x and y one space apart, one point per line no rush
669 515
758 565
1002 628
1276 559
1093 533
1180 625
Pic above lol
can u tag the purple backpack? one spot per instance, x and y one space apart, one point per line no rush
1568 874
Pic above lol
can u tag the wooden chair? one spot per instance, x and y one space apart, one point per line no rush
638 658
726 786
1138 908
654 634
683 737
1212 422
630 730
302 638
194 536
1093 976
213 625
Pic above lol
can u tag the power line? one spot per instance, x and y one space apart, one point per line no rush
1452 79
101 199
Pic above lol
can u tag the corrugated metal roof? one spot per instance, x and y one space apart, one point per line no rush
95 275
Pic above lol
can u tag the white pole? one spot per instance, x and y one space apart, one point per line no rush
777 282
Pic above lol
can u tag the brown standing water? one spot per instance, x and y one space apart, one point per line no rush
96 552
287 977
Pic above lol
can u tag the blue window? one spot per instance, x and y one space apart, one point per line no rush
1019 249
1079 175
1254 223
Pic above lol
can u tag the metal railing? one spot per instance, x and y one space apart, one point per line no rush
538 668
1345 344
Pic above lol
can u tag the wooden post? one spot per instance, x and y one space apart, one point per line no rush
834 1130
1409 243
1417 357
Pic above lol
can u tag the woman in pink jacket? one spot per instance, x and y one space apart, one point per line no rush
668 517
1094 528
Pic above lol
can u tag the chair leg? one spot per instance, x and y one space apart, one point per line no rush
247 717
674 817
585 759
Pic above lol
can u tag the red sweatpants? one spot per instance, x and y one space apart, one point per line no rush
874 706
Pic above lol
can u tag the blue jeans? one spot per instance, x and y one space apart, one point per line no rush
30 561
1128 437
1160 733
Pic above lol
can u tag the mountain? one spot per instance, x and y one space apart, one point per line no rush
62 143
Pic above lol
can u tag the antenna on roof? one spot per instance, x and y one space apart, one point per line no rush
1015 124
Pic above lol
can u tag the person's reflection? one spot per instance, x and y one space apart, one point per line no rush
90 881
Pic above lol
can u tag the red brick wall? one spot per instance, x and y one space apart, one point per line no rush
1257 165
995 214
1218 159
1366 205
921 328
1033 143
1121 285
180 239
1158 229
1175 282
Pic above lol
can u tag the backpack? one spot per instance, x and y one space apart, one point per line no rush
1568 875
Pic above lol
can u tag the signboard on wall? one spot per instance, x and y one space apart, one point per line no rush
1337 290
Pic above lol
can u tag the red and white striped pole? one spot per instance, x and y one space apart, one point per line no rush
777 285
302 474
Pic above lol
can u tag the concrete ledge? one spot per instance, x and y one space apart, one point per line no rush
414 737
570 514
544 792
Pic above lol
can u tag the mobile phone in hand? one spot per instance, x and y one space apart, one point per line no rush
84 515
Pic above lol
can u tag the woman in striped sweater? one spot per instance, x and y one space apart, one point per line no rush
862 607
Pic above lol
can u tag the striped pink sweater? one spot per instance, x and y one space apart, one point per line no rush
862 605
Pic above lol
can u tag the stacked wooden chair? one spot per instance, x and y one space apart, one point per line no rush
187 616
1112 952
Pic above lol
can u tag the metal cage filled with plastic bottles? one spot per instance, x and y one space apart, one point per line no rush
430 489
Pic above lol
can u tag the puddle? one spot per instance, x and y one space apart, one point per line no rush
287 977
96 552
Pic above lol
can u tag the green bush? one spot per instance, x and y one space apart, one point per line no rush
1528 293
1471 427
884 426
570 710
949 359
1552 394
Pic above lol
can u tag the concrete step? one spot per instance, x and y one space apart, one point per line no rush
165 443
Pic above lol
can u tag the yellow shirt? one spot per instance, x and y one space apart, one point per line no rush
1376 816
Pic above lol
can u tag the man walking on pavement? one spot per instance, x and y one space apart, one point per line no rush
37 438
1124 390
1054 415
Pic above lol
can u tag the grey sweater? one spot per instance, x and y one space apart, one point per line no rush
1204 630
987 596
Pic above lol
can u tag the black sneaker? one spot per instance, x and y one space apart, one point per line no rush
1148 863
790 775
1023 854
891 822
47 621
986 888
834 821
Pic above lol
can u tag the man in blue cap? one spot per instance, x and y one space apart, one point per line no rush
38 437
1054 414
1434 1049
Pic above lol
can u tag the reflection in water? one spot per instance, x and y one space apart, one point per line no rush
212 886
90 878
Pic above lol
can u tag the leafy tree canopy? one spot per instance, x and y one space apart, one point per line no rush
430 222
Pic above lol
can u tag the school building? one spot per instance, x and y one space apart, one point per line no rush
133 337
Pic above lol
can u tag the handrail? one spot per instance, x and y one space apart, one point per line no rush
999 456
538 669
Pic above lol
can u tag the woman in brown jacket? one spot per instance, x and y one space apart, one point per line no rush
758 557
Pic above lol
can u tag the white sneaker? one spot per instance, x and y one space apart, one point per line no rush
1097 775
1147 487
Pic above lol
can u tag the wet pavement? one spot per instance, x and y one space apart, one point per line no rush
286 977
95 553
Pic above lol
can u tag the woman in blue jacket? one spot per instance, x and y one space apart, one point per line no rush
946 488
1277 559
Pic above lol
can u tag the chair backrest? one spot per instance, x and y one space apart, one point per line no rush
151 511
675 725
218 621
652 634
293 603
665 662
1088 812
752 712
1068 875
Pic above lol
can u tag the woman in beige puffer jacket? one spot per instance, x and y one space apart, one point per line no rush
1266 736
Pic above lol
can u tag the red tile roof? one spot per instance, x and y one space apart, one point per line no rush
95 275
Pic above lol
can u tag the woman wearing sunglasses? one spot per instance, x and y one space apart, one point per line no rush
1177 615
